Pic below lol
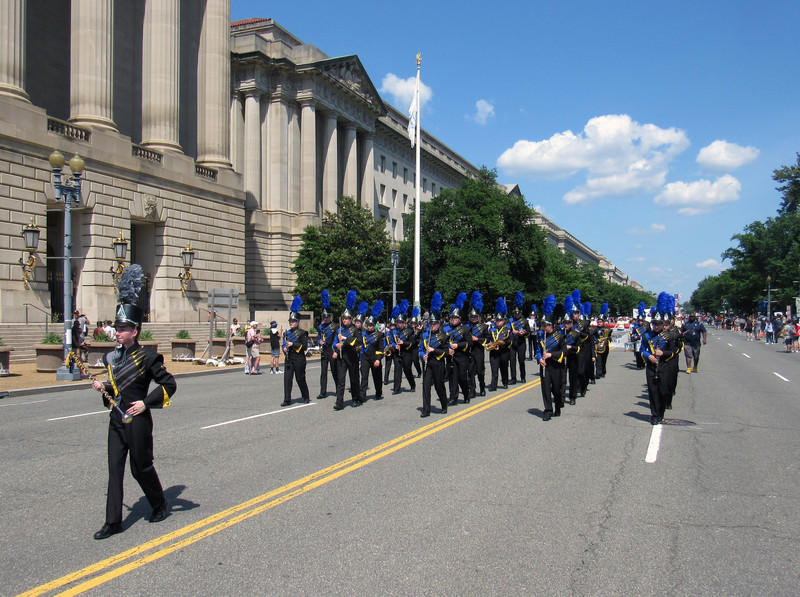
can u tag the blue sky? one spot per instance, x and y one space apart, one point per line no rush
649 130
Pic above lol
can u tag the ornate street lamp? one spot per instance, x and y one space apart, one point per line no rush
68 191
31 235
187 255
120 252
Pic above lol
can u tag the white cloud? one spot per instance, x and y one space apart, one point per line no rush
721 155
402 91
695 198
709 264
621 157
483 111
653 229
637 259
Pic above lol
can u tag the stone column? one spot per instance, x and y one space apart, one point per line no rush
12 49
213 86
252 148
350 180
368 172
160 75
330 172
278 115
308 158
92 79
237 131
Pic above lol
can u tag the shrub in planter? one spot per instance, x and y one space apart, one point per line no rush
183 347
49 353
5 357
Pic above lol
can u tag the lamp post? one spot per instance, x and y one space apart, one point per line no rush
187 255
395 262
31 235
120 252
70 192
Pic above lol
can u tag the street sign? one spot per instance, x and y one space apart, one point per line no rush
223 298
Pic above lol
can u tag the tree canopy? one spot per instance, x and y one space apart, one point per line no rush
764 249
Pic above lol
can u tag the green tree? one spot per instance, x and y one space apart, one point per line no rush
474 237
349 250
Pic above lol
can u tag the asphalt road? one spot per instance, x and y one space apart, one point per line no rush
487 500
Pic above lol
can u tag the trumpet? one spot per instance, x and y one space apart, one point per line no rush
387 352
494 345
72 357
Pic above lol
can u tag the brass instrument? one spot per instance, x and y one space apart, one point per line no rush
84 368
387 352
493 345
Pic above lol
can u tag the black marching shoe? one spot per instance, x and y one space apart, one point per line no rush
356 403
591 381
306 400
512 382
320 397
491 389
669 407
109 528
572 401
522 380
379 397
338 407
505 386
482 393
557 413
452 402
395 392
286 403
546 417
582 394
413 387
160 513
424 414
654 420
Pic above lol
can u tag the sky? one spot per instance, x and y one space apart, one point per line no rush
648 130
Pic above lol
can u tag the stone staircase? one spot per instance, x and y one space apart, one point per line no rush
22 336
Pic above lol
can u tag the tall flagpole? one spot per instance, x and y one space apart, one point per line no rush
418 199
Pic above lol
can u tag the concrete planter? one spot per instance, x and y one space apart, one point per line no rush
218 346
97 351
5 360
183 350
49 357
238 349
151 344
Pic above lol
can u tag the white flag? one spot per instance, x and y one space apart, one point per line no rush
412 115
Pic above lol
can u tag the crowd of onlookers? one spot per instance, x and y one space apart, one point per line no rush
778 329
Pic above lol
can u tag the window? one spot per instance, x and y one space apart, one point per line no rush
394 198
394 229
405 175
405 201
383 163
424 185
433 189
394 169
383 194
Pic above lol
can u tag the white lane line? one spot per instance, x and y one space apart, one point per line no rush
745 354
23 403
655 444
729 344
779 375
99 412
273 412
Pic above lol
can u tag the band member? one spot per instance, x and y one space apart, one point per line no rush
498 346
327 334
657 353
390 344
417 327
432 349
405 343
294 347
581 326
533 327
372 347
480 336
636 332
519 331
460 341
602 342
345 350
677 342
550 354
131 368
572 334
590 358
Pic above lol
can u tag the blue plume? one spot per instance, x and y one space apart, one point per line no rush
350 303
533 308
130 284
363 308
603 308
462 298
662 303
652 311
296 304
436 302
518 300
477 301
395 311
549 304
501 306
671 304
404 306
326 300
576 297
415 312
377 309
587 308
568 304
642 309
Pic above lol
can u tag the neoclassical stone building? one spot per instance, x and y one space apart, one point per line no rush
229 137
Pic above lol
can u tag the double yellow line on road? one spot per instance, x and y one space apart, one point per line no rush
201 529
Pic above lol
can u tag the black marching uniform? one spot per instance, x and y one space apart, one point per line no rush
499 357
461 336
348 365
602 341
574 361
519 331
130 373
658 374
327 334
480 332
405 343
372 346
552 372
295 345
434 369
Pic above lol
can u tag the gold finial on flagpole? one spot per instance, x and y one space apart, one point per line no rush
419 58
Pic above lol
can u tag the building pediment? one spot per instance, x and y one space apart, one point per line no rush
348 73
